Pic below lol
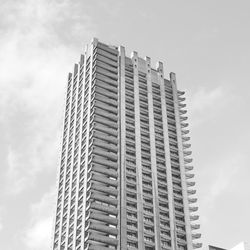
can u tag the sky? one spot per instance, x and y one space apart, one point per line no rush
206 43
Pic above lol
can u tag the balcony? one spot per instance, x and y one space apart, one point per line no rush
106 154
194 217
101 228
190 183
106 54
195 226
104 114
105 122
196 236
104 218
180 93
184 131
104 106
182 112
191 191
100 178
107 85
182 105
103 170
104 189
111 68
103 208
93 246
105 162
101 98
184 124
197 245
189 176
187 153
189 168
106 93
110 49
188 160
183 118
193 209
102 239
192 200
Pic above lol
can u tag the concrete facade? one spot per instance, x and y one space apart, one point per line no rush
124 180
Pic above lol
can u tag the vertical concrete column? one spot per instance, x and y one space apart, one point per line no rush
83 69
77 74
138 153
167 155
66 156
90 53
122 147
182 164
153 156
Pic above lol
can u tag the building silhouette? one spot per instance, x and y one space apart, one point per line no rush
125 179
241 246
210 247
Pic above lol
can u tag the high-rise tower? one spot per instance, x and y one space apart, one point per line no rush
125 179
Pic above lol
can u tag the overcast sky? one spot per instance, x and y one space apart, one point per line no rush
207 45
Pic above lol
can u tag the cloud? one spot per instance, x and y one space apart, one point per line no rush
219 177
203 98
222 193
223 179
205 103
38 234
46 19
37 49
32 112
